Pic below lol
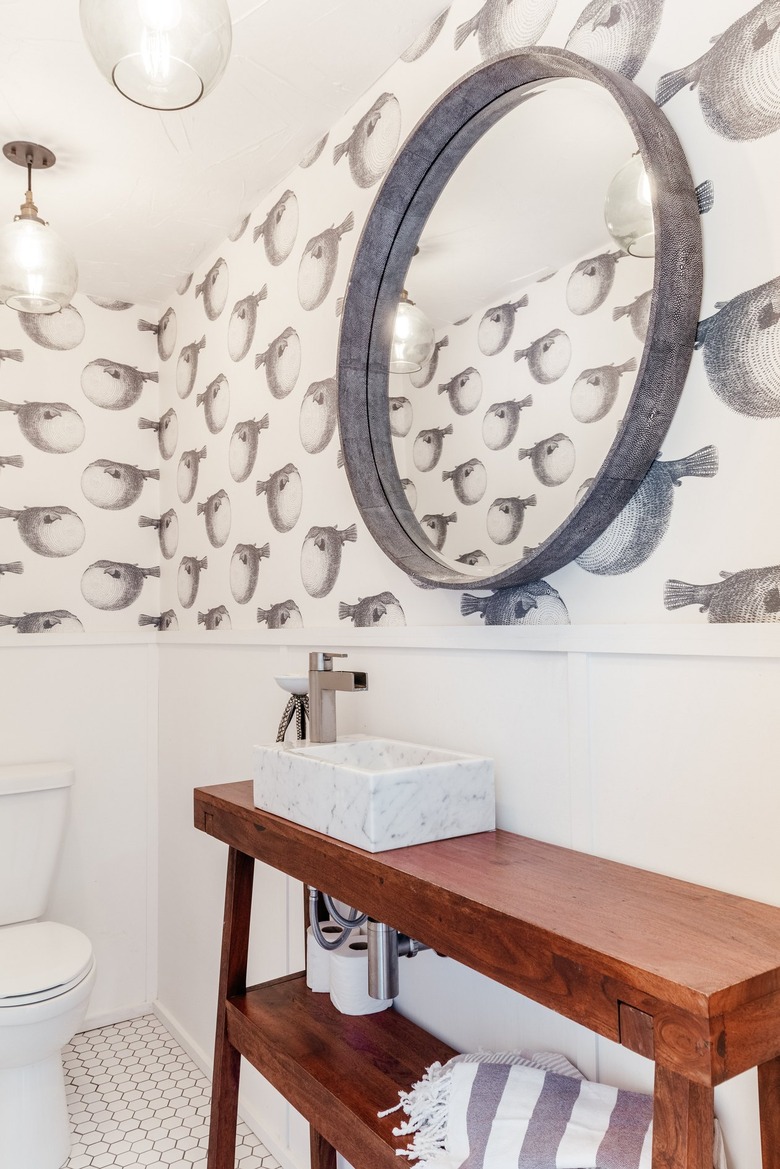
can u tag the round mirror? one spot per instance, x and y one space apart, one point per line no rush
556 354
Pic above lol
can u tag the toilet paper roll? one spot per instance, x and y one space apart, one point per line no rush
317 959
349 980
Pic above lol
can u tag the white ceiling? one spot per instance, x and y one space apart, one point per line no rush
141 196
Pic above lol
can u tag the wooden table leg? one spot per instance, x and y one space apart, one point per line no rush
232 980
683 1122
769 1108
323 1155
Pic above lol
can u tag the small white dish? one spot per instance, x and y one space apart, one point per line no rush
293 683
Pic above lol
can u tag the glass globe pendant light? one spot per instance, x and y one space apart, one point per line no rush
38 274
628 209
413 338
163 54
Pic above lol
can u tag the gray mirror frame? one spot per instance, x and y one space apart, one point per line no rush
394 225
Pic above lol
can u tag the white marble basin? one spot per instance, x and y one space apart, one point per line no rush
376 793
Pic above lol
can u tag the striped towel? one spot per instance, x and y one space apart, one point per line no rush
501 1112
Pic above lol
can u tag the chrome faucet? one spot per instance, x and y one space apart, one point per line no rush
324 681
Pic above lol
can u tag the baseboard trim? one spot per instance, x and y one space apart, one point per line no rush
119 1015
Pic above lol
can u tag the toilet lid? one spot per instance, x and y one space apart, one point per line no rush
41 956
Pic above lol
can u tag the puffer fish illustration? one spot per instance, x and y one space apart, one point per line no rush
495 328
11 461
317 269
188 579
380 611
215 401
53 427
552 459
283 492
235 234
503 25
318 415
548 357
167 528
595 390
217 618
750 595
591 282
184 283
464 390
473 559
243 322
187 367
436 526
11 355
284 615
245 570
112 385
638 529
469 481
410 491
423 42
321 557
428 446
738 79
373 141
638 313
57 620
114 486
167 431
501 421
535 603
216 512
617 34
282 361
311 156
187 474
214 289
427 370
116 306
112 584
242 451
505 517
740 344
61 330
164 331
401 416
48 531
164 623
13 566
279 229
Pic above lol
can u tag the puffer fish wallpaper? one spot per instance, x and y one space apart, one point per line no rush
214 289
167 431
11 355
235 233
473 559
427 371
594 393
188 579
187 367
282 362
242 324
552 459
401 416
380 611
436 527
373 142
750 595
13 566
216 512
167 528
591 282
111 584
116 306
283 615
548 357
737 80
244 444
321 557
423 42
61 330
429 445
464 390
469 481
505 517
740 344
53 427
164 331
56 620
311 156
187 474
215 401
535 603
317 269
112 385
163 623
499 426
279 229
410 491
638 529
184 283
617 34
114 486
317 423
48 531
216 618
497 324
283 493
503 25
245 570
638 313
11 461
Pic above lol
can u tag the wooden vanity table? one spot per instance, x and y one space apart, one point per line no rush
680 973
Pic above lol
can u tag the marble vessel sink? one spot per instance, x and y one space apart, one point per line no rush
375 793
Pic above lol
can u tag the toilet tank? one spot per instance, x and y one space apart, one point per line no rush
33 808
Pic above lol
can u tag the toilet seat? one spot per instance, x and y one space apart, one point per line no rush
40 960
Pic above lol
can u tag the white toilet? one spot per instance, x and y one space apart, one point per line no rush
47 970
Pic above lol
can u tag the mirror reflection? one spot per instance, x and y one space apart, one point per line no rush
539 320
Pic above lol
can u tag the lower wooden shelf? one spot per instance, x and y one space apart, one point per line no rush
337 1070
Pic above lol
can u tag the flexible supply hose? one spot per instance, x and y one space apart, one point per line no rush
347 924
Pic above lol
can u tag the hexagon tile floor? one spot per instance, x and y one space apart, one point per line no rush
136 1099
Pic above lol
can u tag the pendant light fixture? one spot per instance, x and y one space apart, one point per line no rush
163 54
38 274
628 209
413 338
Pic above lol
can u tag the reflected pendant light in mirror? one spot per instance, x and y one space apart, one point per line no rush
628 209
163 54
38 273
413 338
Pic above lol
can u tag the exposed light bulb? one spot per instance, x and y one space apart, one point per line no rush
413 338
628 209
